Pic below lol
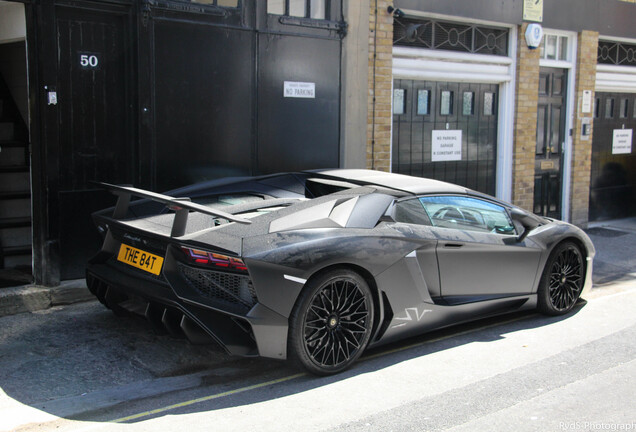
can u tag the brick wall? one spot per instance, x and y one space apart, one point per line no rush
582 149
380 83
525 124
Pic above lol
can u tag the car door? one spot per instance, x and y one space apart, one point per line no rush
478 254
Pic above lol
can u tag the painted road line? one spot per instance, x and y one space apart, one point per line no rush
206 398
292 377
363 359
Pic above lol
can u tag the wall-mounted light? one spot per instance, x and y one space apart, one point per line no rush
395 12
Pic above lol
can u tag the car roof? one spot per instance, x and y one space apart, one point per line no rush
404 183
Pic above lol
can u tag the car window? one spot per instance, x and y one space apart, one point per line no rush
411 211
467 213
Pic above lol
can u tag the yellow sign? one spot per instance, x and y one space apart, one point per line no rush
141 259
533 10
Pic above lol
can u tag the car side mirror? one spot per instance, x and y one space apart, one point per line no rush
527 221
505 230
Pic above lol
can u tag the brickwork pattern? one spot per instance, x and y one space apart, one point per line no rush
380 117
582 149
525 129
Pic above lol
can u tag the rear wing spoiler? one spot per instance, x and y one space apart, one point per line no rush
181 206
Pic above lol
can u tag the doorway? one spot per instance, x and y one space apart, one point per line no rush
613 174
15 157
551 119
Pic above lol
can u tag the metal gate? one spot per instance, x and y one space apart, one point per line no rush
550 139
423 108
613 175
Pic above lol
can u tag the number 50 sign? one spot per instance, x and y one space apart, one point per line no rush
89 60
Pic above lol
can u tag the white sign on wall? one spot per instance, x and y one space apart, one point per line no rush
622 142
446 145
586 102
295 89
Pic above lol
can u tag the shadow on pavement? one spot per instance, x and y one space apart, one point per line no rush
84 349
615 258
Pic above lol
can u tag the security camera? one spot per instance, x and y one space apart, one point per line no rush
395 12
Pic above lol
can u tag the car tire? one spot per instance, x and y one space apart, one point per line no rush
562 280
331 323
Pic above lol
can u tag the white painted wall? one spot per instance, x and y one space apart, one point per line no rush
12 22
355 86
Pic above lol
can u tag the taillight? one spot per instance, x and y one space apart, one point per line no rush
212 259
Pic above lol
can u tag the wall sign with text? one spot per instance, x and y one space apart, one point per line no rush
533 10
446 145
622 141
293 89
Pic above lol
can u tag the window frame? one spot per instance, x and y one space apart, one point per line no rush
505 210
562 51
287 12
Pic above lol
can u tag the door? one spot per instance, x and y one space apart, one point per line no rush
204 101
477 250
467 111
549 143
613 174
299 85
95 137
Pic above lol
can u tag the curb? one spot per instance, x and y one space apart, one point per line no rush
31 298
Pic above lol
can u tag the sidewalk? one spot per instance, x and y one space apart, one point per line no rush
614 267
30 298
615 261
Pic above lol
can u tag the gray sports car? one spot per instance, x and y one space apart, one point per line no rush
317 266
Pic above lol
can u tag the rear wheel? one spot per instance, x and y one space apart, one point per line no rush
331 323
562 280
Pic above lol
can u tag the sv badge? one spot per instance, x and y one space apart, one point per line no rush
411 314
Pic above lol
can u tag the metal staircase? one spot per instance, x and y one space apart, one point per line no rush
15 188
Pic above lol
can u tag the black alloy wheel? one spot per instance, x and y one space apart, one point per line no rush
331 323
562 280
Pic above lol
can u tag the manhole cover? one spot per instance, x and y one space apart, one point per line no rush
605 232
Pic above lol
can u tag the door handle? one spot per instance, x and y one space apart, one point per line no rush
453 245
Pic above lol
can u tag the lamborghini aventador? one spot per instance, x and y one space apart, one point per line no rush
317 266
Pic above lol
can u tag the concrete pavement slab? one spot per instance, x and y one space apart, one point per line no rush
30 298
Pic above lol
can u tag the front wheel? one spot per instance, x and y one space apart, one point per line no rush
562 280
331 323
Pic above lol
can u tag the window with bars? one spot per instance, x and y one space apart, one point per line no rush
616 53
442 35
315 9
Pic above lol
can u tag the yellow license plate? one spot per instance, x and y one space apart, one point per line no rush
141 259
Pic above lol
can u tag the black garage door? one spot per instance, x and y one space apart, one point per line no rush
168 94
426 114
613 179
